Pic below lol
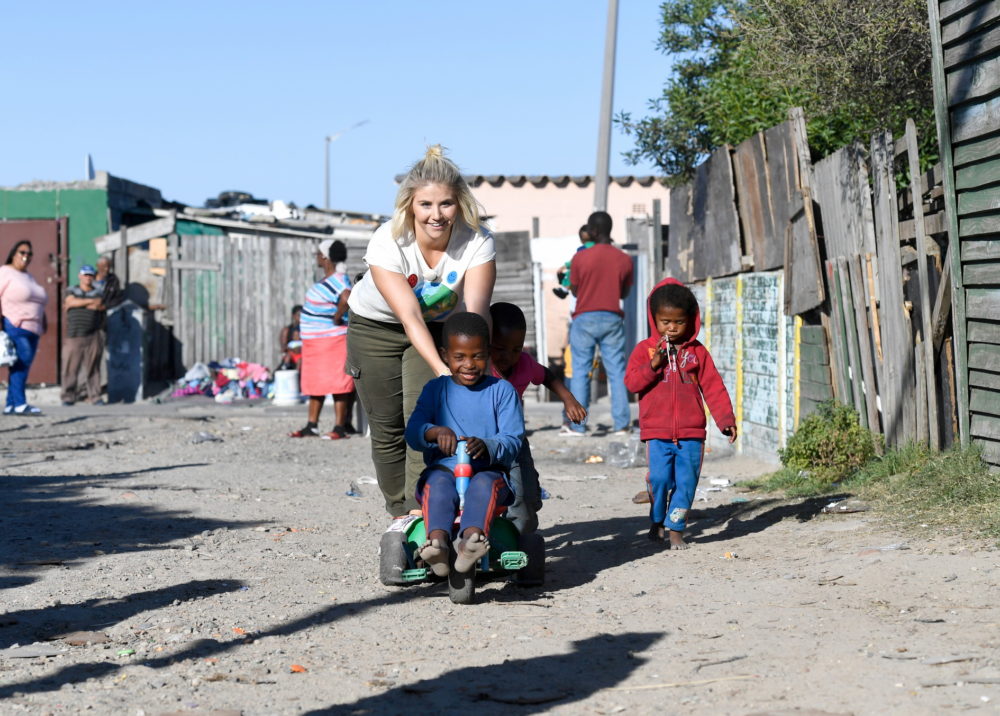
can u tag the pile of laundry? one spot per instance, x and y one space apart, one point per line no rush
226 381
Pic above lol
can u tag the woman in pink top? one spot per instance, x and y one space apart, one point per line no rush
22 304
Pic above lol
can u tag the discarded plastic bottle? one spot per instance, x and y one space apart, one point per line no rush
463 471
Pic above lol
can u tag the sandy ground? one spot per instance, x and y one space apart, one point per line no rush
239 577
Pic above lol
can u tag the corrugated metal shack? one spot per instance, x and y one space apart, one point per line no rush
218 287
221 287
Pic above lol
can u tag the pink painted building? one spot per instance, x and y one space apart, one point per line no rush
552 209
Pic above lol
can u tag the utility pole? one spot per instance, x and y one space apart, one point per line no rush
601 178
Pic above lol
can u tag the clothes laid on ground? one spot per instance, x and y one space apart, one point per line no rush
227 380
22 300
438 288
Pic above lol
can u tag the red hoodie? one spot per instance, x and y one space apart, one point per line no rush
670 398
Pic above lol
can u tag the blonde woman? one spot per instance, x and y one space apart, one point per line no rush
434 258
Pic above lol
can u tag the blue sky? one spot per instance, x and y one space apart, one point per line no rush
198 98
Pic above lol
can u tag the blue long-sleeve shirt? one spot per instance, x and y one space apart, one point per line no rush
490 410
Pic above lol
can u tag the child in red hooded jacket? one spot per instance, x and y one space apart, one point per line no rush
672 372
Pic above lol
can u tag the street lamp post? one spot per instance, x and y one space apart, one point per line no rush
326 164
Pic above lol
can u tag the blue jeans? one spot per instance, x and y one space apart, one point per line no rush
607 330
673 477
25 343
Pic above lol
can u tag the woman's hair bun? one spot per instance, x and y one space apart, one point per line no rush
435 150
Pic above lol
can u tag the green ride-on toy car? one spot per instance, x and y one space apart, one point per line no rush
510 552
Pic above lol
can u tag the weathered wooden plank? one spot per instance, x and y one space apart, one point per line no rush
784 197
975 80
985 426
921 397
896 380
942 304
967 23
974 120
976 151
984 379
985 331
814 354
815 391
976 175
814 373
714 210
136 234
803 266
813 335
981 250
979 200
950 8
982 303
871 262
933 224
857 284
975 226
753 200
926 307
680 251
990 451
845 206
981 274
840 360
984 356
842 278
972 47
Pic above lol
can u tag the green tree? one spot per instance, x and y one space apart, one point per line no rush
741 64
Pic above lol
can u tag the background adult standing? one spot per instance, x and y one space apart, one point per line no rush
323 328
84 344
22 304
433 258
600 278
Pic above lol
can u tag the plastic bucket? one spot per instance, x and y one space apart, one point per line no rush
286 387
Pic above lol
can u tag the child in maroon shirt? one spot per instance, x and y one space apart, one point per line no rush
673 372
508 361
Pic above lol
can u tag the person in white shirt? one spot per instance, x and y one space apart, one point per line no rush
433 258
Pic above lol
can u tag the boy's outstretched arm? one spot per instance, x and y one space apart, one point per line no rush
640 373
717 397
574 411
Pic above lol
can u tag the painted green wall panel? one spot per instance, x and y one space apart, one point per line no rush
87 210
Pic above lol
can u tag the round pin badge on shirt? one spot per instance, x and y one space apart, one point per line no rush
452 277
412 280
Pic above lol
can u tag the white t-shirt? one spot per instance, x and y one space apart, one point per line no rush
438 289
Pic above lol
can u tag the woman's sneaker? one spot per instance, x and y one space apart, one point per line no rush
23 409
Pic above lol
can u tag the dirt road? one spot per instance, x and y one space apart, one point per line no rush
238 577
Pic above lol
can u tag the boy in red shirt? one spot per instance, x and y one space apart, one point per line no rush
672 372
509 362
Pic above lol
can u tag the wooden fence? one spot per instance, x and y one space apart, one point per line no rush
856 266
